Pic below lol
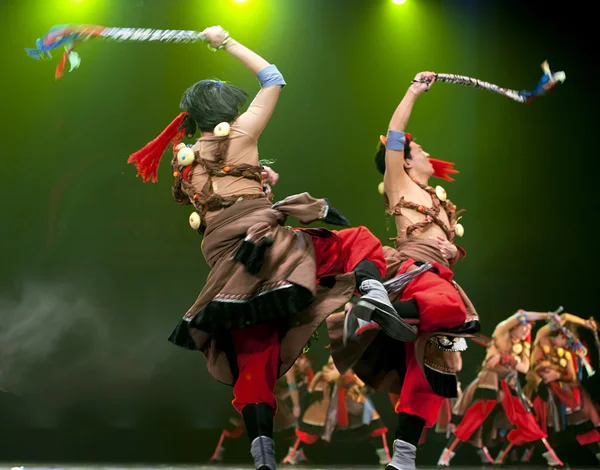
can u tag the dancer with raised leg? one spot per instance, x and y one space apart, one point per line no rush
270 287
420 281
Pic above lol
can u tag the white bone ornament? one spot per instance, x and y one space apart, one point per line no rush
459 230
185 156
195 220
441 193
380 188
222 129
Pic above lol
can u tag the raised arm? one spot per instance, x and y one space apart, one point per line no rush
542 335
394 155
255 119
520 317
290 377
569 318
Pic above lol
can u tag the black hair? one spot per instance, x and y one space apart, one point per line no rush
380 155
211 102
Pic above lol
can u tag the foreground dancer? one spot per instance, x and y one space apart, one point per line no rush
342 408
421 282
553 384
489 396
292 387
269 287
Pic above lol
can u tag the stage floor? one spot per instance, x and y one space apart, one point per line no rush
219 467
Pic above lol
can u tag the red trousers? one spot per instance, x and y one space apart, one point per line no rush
573 398
440 307
257 348
526 428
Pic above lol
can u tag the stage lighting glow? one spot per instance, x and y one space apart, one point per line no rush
240 1
399 2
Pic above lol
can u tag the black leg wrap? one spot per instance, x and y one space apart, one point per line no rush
366 270
335 217
444 385
253 255
407 308
259 420
409 428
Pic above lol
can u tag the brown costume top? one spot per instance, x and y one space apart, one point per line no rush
341 408
224 185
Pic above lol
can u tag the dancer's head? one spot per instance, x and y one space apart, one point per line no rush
303 363
521 332
416 160
211 102
559 339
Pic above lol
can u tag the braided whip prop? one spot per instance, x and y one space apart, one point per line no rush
546 83
70 36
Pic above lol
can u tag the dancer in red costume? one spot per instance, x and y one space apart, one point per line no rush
270 287
340 410
558 362
495 393
420 281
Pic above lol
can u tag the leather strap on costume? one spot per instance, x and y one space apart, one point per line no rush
432 216
207 200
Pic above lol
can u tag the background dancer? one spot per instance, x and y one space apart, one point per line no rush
558 362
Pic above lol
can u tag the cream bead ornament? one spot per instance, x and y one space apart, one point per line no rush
441 193
185 156
222 129
195 220
380 188
459 230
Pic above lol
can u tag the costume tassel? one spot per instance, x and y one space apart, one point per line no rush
148 158
442 169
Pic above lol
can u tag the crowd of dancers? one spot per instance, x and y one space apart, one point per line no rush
524 393
397 320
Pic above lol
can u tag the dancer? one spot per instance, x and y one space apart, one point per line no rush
270 287
553 384
421 283
490 399
290 388
342 409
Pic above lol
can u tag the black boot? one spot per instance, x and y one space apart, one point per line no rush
259 424
374 303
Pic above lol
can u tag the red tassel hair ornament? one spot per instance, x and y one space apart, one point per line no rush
147 159
442 169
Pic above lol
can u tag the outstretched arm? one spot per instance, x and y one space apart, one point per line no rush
569 318
255 119
519 317
394 155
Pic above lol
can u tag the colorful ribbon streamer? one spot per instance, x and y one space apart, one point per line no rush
70 36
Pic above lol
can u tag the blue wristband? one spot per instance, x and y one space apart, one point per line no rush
293 387
270 76
522 317
396 140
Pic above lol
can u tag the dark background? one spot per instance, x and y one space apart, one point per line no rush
96 268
